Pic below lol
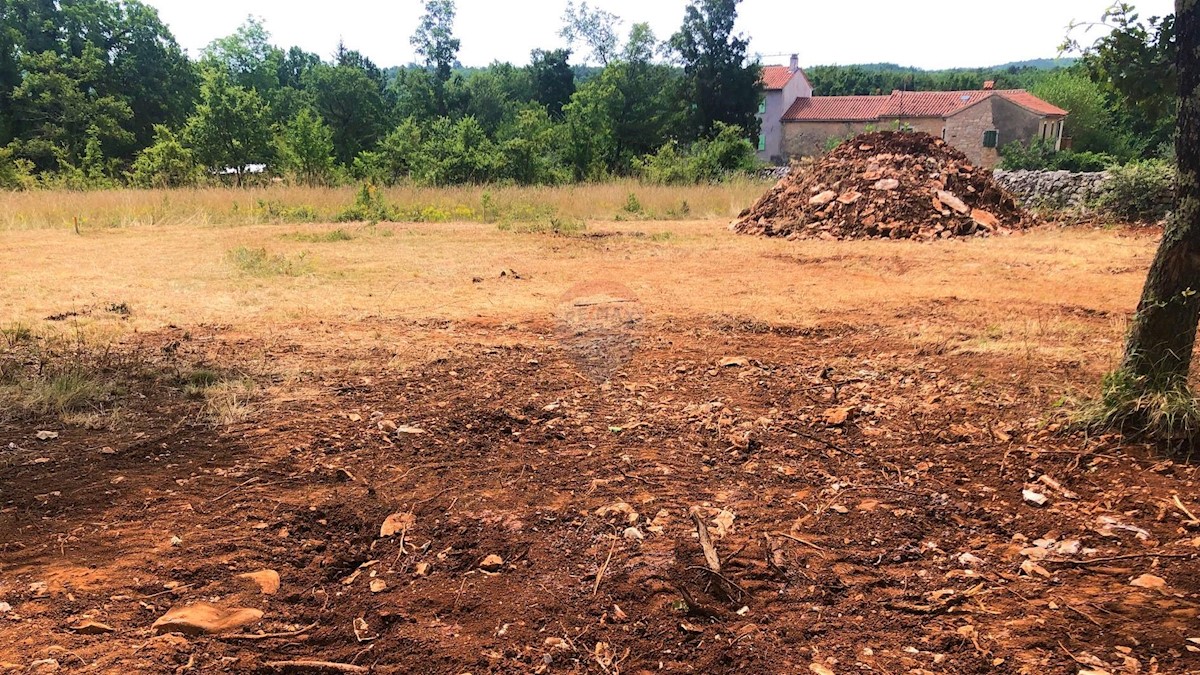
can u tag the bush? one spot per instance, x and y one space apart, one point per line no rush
165 164
1041 156
257 262
369 206
15 174
1140 191
707 160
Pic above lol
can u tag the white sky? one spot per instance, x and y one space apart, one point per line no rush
923 33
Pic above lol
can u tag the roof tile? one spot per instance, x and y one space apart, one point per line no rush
835 109
776 77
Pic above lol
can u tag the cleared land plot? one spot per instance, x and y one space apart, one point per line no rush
854 422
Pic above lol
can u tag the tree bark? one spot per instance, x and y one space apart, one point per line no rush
1159 351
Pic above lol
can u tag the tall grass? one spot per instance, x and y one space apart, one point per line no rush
283 203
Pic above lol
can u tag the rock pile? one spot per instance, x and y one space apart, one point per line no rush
1054 189
886 185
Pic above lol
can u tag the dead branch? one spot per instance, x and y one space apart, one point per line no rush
315 666
710 553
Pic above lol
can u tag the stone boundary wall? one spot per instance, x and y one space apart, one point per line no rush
1053 189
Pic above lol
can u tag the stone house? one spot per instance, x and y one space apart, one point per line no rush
977 122
781 86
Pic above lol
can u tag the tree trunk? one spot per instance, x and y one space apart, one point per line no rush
1159 351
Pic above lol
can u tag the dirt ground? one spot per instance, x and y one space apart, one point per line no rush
869 433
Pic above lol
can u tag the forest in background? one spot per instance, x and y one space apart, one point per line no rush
99 94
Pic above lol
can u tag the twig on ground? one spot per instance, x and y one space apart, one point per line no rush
1189 514
268 636
235 488
315 666
798 540
710 553
1131 556
604 568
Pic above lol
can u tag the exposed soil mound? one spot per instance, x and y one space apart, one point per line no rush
886 185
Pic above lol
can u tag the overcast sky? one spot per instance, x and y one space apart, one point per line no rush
923 33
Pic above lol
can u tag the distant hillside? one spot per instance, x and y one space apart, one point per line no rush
1036 64
1040 64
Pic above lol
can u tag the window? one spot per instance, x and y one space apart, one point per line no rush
991 138
762 142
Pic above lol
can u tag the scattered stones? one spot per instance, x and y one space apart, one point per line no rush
205 618
620 511
89 627
378 585
1035 498
266 580
492 563
421 569
892 186
397 523
633 534
47 435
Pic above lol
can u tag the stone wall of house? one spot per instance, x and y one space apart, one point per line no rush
808 139
965 132
1053 189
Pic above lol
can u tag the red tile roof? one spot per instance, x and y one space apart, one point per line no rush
1028 100
907 104
835 109
776 77
930 103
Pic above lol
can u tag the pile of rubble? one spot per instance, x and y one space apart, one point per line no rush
886 185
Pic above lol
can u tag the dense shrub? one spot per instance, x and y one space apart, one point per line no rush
1141 190
1041 156
707 160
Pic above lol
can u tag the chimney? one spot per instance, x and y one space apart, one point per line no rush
795 63
989 85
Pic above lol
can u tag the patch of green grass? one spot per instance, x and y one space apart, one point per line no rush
16 334
1168 413
257 262
662 237
328 236
279 212
67 392
555 225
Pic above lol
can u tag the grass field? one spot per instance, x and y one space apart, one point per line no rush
226 206
194 392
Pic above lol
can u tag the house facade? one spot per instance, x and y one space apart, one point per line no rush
781 86
977 122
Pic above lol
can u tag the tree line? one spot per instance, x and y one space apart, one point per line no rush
96 93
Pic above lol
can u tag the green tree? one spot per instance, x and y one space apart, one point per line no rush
1091 125
1150 390
397 156
553 79
530 147
230 128
352 103
434 41
1136 61
166 163
248 56
306 148
594 27
150 71
457 152
59 105
591 138
719 82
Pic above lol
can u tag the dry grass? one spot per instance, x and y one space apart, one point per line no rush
1061 294
280 203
